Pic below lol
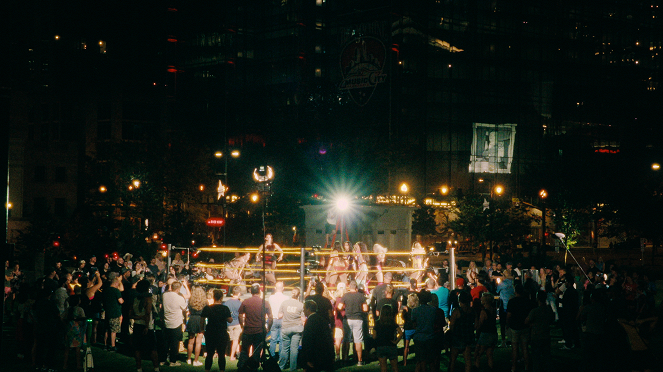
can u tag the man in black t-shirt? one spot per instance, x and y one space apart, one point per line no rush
216 333
325 308
354 304
516 313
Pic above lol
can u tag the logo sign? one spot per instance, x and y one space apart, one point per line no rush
362 64
218 221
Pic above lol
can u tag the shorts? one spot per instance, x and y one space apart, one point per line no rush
424 350
487 339
144 342
389 352
461 344
338 333
520 336
353 331
235 332
115 324
408 333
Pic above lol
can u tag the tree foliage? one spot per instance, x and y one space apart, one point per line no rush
501 222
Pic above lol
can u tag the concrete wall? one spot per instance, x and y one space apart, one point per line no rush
390 226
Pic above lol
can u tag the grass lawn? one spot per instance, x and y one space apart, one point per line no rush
122 361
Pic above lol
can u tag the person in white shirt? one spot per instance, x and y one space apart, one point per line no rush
275 301
174 306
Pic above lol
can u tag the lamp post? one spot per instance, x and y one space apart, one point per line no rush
264 175
223 187
497 190
404 188
543 195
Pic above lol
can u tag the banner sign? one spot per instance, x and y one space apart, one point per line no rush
492 148
362 64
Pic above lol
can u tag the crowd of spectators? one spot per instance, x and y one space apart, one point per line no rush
146 308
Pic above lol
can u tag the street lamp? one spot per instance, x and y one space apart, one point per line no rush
444 190
543 195
222 189
264 175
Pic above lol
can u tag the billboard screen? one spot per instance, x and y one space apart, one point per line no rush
492 148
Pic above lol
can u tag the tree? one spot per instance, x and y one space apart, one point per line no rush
423 221
500 221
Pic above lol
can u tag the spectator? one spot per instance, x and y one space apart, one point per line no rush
216 333
75 324
506 291
388 300
47 324
442 294
252 317
338 320
486 327
423 318
387 336
408 326
291 313
174 306
234 328
113 306
317 344
144 338
569 306
551 278
60 295
461 325
197 302
379 292
354 304
472 273
516 313
539 321
275 301
438 332
325 308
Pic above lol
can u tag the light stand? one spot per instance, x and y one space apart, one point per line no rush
264 176
561 237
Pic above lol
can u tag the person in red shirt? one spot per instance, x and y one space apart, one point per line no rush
252 318
478 290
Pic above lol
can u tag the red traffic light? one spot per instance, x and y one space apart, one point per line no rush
56 243
164 246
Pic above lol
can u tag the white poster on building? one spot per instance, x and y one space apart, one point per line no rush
492 148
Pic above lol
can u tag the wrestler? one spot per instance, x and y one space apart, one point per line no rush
347 255
234 269
270 257
380 260
362 267
419 262
336 269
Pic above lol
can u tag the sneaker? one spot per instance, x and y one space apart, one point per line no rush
112 349
359 364
197 363
188 361
561 341
175 364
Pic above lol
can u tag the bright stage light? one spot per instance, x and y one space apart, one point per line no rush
342 203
